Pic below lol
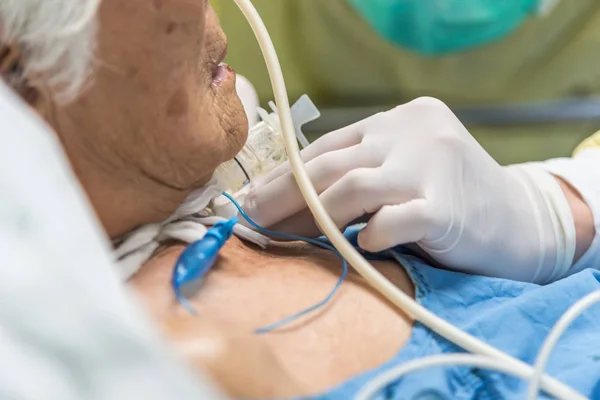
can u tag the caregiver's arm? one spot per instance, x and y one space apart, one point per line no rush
579 178
424 179
582 219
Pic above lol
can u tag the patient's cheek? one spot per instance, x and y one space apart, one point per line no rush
178 104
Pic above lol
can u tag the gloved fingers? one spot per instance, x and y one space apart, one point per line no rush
337 140
281 198
300 224
361 191
394 225
342 138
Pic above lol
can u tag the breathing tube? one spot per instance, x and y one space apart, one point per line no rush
493 358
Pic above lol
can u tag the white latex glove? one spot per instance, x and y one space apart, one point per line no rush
425 179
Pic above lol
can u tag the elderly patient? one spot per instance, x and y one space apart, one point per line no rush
159 117
161 114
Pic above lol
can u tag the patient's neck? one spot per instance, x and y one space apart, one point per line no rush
122 206
122 196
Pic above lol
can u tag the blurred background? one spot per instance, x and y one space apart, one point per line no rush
528 91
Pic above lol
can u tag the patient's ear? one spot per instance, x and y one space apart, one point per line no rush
12 72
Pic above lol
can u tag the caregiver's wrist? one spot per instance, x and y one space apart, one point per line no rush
582 218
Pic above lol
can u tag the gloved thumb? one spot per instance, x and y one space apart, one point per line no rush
394 225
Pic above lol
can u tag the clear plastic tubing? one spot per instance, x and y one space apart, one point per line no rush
264 150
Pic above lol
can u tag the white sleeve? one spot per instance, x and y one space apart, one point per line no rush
583 173
68 329
71 335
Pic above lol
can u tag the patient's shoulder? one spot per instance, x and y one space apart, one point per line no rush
249 288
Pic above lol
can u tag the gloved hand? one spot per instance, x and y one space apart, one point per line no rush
425 179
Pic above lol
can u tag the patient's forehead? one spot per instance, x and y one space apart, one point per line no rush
149 15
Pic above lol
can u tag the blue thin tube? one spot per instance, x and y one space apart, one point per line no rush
315 242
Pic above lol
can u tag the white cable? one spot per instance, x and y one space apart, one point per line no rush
362 266
554 336
368 391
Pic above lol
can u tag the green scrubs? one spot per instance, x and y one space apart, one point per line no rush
331 53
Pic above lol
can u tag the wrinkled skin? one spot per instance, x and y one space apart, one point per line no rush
249 288
154 124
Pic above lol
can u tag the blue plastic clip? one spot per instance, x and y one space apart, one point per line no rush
199 257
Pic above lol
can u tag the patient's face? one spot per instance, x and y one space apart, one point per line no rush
160 107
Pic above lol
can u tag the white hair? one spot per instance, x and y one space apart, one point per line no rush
57 39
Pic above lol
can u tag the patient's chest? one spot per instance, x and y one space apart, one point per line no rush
249 288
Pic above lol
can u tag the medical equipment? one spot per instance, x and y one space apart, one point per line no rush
362 266
264 149
450 360
199 257
552 339
314 242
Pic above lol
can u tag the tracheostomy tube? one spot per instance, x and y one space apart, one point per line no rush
265 148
